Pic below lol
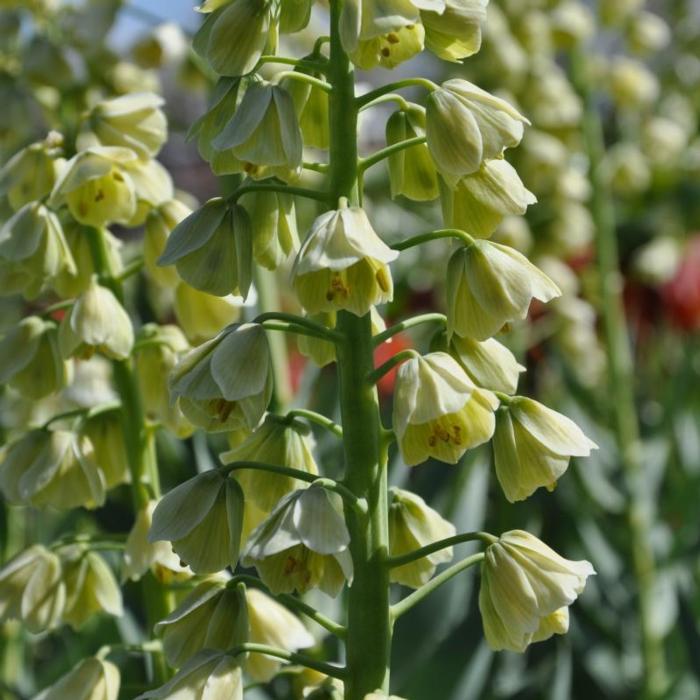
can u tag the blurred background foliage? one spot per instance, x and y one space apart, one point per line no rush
642 72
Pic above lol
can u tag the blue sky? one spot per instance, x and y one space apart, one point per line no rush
180 11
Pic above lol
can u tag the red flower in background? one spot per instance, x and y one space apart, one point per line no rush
385 352
681 295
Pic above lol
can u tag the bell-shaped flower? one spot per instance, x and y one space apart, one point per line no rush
54 468
412 525
235 35
438 411
90 586
96 322
466 125
210 675
273 223
312 107
303 544
157 351
33 250
201 316
31 589
32 363
96 187
133 121
159 225
226 383
523 584
91 679
343 264
279 441
411 171
105 431
31 173
479 202
391 49
532 446
294 16
212 616
264 130
165 45
455 33
212 249
140 555
202 518
489 285
153 187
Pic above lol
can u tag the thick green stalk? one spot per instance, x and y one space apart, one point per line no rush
621 383
369 620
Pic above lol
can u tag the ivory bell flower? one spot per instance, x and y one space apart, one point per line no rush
438 411
412 525
489 285
105 431
225 383
532 446
91 679
391 49
200 315
96 322
466 125
31 589
455 33
202 518
210 675
303 544
343 264
32 363
524 586
277 441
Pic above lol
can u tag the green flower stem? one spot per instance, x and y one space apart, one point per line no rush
621 382
391 97
392 362
320 331
316 167
302 63
131 269
59 306
152 646
292 328
429 236
390 332
316 418
282 188
290 656
407 558
368 97
368 645
388 151
290 601
80 412
303 78
416 597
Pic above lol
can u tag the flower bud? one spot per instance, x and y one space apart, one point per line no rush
210 675
156 353
202 518
648 33
32 363
273 225
31 589
411 171
438 412
488 285
140 555
51 468
572 24
524 586
343 264
212 616
105 432
479 202
212 249
34 249
455 33
90 586
532 446
202 315
294 15
264 130
31 173
163 46
303 544
391 49
466 125
96 187
235 35
277 441
632 84
226 383
412 525
132 121
92 679
96 322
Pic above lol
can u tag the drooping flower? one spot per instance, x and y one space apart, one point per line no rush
92 679
455 33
